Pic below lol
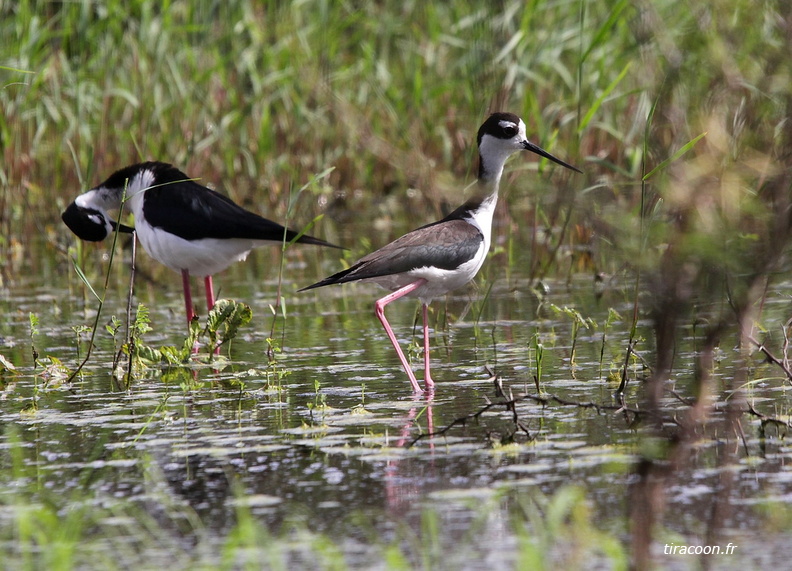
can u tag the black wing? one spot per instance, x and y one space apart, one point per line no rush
192 211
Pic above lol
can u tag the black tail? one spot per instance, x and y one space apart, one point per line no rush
306 239
337 278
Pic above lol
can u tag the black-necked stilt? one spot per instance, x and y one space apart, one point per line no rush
181 224
440 257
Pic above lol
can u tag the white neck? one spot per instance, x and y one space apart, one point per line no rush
135 190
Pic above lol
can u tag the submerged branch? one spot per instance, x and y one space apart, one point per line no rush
768 419
770 357
510 405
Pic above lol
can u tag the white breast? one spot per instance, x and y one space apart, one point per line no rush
200 257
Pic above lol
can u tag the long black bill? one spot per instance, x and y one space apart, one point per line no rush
90 224
123 228
529 146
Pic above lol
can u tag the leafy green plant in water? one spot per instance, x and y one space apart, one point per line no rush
183 377
33 332
318 406
53 371
113 328
320 399
578 321
613 316
222 325
228 315
275 372
139 354
538 353
360 408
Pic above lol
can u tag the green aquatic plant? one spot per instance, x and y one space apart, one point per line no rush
275 372
224 321
578 322
222 325
48 368
538 356
33 332
319 399
360 408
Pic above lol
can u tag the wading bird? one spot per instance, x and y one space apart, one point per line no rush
442 256
180 223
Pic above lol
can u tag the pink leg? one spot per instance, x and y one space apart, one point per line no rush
405 433
210 298
210 301
379 310
428 382
188 304
429 419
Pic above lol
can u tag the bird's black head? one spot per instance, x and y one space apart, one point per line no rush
90 224
500 125
508 133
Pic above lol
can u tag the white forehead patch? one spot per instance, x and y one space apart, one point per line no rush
504 124
85 200
98 199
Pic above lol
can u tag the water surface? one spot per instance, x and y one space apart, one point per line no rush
328 441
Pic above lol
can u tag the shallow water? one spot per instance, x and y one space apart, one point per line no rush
326 442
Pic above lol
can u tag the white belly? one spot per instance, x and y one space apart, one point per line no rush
200 257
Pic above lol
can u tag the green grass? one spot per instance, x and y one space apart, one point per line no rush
263 95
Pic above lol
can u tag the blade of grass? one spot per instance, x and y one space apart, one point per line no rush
685 148
595 106
84 278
